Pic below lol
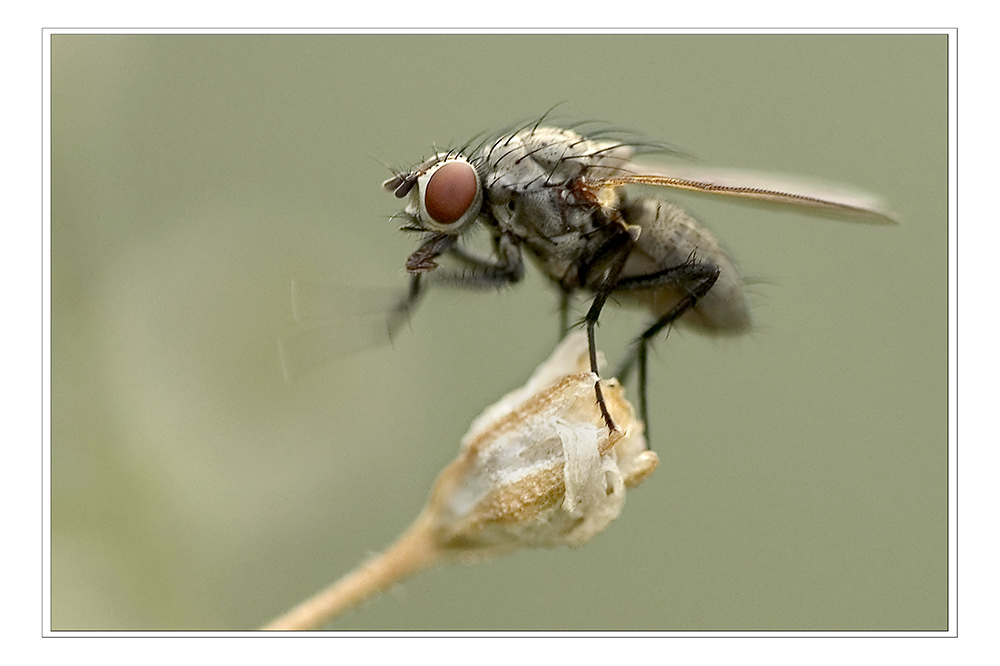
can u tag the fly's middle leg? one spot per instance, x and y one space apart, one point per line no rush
613 256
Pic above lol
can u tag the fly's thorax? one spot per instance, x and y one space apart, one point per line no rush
559 230
549 156
550 231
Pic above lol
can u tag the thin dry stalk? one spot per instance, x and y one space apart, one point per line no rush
537 469
414 551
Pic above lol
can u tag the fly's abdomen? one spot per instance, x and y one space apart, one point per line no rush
670 237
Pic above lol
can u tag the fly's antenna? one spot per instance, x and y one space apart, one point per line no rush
393 170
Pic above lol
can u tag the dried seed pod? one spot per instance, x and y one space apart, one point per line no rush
540 468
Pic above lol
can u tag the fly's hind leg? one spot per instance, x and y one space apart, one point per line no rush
564 297
696 278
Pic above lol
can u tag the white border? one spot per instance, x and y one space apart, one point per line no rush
952 334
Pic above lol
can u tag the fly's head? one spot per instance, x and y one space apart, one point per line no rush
445 199
446 194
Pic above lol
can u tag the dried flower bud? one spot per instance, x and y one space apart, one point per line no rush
540 468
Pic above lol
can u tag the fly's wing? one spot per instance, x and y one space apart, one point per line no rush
789 190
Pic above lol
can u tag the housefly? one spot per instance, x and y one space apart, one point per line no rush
560 198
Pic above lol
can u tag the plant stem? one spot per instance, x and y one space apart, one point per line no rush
415 550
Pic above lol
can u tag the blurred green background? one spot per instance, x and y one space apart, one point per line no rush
802 482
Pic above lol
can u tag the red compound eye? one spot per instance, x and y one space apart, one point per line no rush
450 191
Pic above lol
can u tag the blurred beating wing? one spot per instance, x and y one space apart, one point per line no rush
332 322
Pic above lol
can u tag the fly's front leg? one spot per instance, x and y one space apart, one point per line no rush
471 259
508 267
696 278
402 310
419 262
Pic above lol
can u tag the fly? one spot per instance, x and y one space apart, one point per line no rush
560 198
